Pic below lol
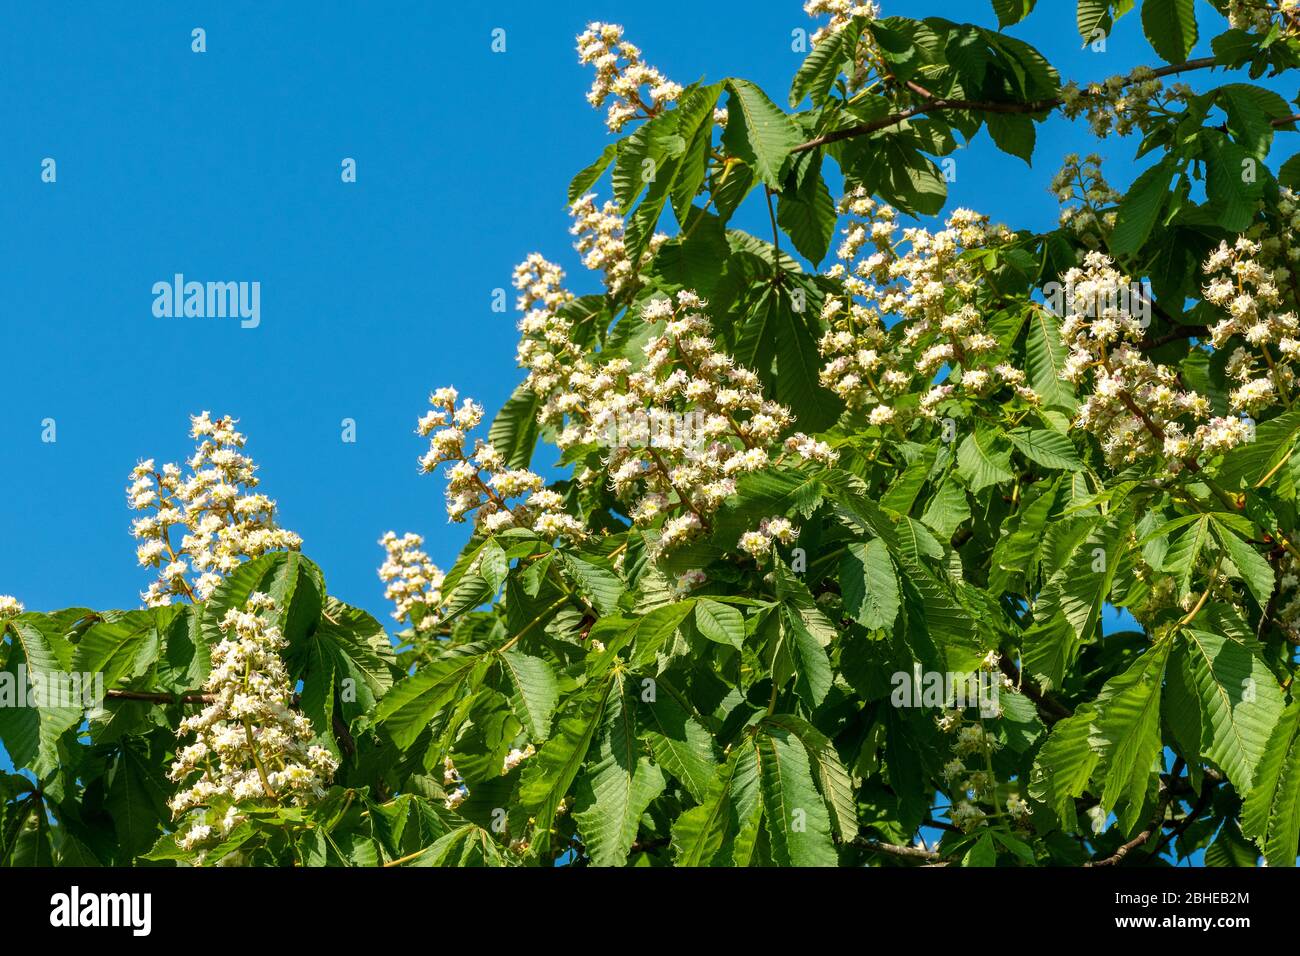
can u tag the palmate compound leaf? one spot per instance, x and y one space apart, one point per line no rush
1126 733
1239 701
617 784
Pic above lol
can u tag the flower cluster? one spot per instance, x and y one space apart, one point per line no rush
926 280
1088 203
758 544
1261 16
620 75
480 482
1121 104
842 13
600 241
1245 282
10 606
680 429
1136 408
412 582
251 749
221 519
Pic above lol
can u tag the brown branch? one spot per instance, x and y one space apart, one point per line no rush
1180 332
906 852
1162 807
1049 709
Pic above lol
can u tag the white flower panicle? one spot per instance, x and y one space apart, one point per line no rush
221 520
621 75
480 483
1136 409
1245 281
1089 206
758 544
680 429
927 281
842 13
1121 104
251 749
10 606
1262 16
600 241
412 582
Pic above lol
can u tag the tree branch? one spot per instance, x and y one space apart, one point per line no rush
1162 807
935 104
1049 709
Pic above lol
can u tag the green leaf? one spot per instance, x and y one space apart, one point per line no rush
1247 465
1091 16
618 786
1240 702
31 734
656 629
817 73
798 825
514 430
1170 27
870 584
412 703
1252 566
597 583
587 178
814 667
700 833
536 692
1013 133
548 775
680 744
758 132
1184 555
720 623
981 462
137 799
1126 732
1045 356
1011 12
808 217
1140 208
947 509
832 778
1048 448
1070 604
1064 765
1272 810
